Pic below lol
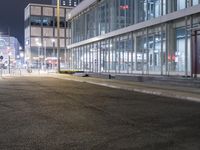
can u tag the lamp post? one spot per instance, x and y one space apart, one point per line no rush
39 65
53 42
37 43
58 35
9 54
21 58
45 55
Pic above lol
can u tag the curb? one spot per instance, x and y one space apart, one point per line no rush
144 91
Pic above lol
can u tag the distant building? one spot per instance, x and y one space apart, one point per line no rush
71 3
9 46
41 34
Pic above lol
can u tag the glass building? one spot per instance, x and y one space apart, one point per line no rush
9 47
159 37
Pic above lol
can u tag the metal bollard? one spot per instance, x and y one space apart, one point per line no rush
1 72
20 72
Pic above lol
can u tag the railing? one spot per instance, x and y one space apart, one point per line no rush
17 72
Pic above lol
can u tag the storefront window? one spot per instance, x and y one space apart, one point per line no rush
140 53
179 56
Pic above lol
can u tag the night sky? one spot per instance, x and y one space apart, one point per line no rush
12 16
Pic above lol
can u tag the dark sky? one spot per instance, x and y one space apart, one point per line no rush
12 16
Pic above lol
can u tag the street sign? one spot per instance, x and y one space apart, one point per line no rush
1 57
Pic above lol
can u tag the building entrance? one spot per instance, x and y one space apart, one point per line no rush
196 53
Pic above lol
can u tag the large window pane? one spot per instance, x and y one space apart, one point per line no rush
36 21
195 2
181 4
179 56
47 21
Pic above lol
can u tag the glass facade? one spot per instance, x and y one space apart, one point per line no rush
195 2
9 45
110 15
163 49
134 52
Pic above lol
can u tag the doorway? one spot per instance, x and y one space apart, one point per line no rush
196 53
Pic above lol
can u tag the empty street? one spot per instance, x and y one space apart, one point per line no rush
51 114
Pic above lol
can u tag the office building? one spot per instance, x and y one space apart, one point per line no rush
41 35
158 37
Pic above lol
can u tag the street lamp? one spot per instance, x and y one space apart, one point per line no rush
9 54
53 42
39 45
45 54
20 48
36 40
21 58
21 54
58 34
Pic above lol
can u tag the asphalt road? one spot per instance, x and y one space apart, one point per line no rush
52 114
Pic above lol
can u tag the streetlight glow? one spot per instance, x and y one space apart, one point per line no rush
39 44
36 39
53 40
21 54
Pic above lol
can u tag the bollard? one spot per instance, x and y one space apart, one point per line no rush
20 72
110 77
1 72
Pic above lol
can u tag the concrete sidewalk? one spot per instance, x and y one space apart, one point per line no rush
184 93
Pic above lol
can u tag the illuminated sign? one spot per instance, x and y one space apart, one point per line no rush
124 7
